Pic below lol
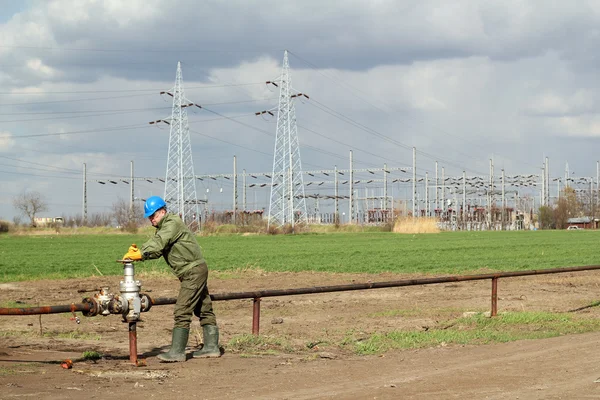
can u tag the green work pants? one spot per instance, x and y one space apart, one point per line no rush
194 299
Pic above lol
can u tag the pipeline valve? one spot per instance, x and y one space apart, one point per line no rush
129 303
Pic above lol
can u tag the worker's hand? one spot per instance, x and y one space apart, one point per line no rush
133 253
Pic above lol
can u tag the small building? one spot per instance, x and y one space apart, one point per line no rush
46 221
581 223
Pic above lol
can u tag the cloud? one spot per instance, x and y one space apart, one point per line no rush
463 82
586 126
549 103
335 34
39 68
6 141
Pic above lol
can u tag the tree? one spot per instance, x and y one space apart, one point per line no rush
30 204
128 218
573 204
546 217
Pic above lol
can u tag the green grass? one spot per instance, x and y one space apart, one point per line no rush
74 335
248 345
477 330
91 355
71 256
19 369
15 304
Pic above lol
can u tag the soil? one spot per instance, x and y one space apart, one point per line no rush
301 353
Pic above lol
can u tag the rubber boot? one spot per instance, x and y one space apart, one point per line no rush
177 351
211 343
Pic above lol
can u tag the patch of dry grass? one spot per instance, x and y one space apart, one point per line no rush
416 225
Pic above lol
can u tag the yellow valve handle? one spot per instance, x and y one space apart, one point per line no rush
133 253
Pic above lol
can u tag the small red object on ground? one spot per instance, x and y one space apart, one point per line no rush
67 364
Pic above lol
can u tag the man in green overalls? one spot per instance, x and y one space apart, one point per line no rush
177 244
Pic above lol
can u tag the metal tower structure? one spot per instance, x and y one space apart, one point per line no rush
287 203
180 182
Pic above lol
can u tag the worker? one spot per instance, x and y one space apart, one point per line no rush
177 244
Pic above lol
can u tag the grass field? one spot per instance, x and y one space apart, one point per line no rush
62 256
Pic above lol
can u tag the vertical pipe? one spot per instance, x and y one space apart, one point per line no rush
443 189
494 297
256 316
596 194
366 209
455 208
489 197
414 183
84 210
597 179
292 217
426 194
244 208
385 204
351 183
336 217
592 199
131 191
547 185
437 190
133 343
464 205
503 201
543 194
235 194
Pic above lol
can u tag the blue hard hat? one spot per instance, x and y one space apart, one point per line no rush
153 204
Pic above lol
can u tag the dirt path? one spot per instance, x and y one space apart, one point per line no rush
289 368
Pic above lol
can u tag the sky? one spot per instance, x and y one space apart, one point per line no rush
463 82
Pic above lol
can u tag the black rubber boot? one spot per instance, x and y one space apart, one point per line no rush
211 343
177 351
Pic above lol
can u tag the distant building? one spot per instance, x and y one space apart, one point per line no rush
583 222
45 221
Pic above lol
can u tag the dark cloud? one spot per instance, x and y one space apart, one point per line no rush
463 82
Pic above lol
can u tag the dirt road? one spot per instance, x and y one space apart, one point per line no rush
301 354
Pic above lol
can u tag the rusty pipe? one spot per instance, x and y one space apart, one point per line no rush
133 343
86 307
66 308
378 285
256 316
494 311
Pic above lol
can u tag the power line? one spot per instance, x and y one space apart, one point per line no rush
353 90
40 176
129 109
138 50
68 170
125 90
75 100
344 143
73 116
116 128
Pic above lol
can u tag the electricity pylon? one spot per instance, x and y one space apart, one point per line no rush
180 182
287 203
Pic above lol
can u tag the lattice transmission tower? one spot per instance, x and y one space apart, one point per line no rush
287 203
180 182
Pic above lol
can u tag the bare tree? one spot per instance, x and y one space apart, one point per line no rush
128 217
99 219
30 204
546 217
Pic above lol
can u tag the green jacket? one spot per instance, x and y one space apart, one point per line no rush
176 243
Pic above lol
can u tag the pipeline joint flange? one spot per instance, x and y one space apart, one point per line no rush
146 302
94 307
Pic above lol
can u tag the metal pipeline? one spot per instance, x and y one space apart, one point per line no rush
66 308
105 304
133 343
377 285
